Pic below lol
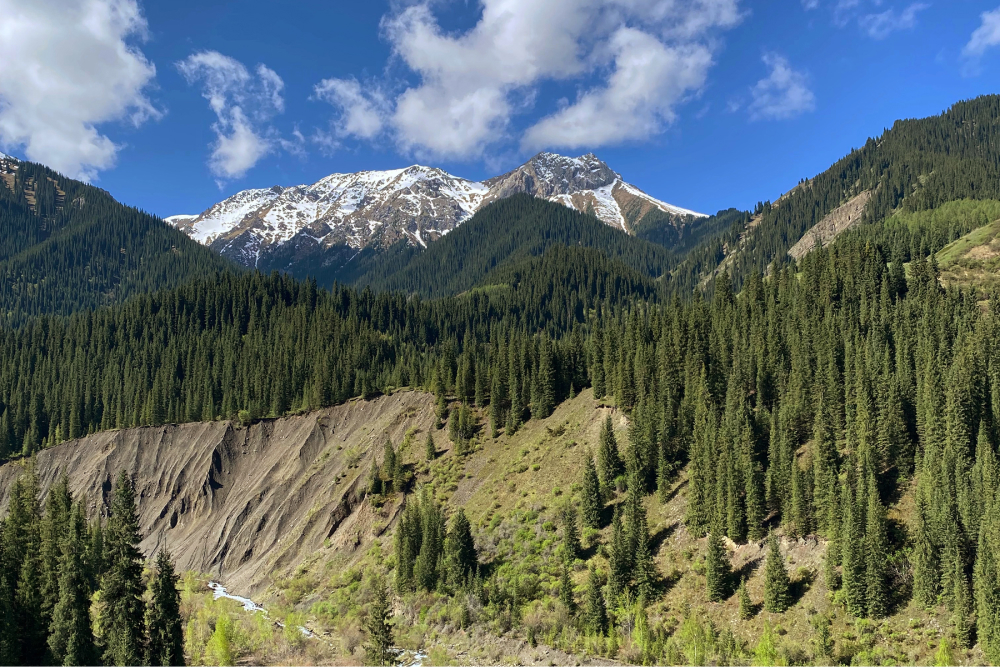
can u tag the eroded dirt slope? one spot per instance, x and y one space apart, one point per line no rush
242 504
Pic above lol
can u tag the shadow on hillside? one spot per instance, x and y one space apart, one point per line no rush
657 539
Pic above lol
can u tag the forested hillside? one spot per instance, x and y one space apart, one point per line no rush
69 246
917 165
502 234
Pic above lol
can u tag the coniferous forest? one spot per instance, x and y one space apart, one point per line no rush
847 397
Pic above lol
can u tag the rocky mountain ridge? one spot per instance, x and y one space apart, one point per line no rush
334 218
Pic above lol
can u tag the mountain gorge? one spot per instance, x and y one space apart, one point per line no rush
319 228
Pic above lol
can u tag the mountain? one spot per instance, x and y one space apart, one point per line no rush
916 165
501 235
311 229
68 246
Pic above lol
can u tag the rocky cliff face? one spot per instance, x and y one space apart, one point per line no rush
332 219
244 504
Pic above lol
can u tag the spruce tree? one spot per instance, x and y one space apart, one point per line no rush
122 623
926 575
717 568
961 606
54 531
876 558
609 462
566 589
460 550
71 639
618 559
590 496
571 535
378 649
986 580
163 616
746 606
595 616
430 451
776 584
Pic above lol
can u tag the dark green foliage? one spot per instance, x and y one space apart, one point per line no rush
122 617
876 559
571 534
609 462
379 648
776 584
67 246
163 616
488 247
71 638
590 496
595 616
717 568
430 450
746 606
566 589
460 550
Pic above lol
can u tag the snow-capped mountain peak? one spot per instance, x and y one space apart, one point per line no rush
343 213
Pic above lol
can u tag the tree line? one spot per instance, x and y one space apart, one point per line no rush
55 568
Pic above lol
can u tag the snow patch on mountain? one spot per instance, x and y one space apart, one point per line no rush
417 204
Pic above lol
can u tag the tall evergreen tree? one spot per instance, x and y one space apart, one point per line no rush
590 496
717 568
609 462
876 558
122 620
595 614
163 616
379 648
776 584
71 638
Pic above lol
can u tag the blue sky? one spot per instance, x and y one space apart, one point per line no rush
172 106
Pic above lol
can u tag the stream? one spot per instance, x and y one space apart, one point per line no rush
404 657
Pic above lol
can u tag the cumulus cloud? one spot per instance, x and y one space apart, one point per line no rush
243 104
646 55
66 67
880 26
361 112
648 80
985 37
783 94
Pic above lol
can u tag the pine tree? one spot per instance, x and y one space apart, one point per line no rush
961 606
122 622
853 558
460 549
776 584
566 589
71 639
590 496
595 615
430 451
755 503
571 535
926 575
717 568
609 462
986 580
163 616
378 650
54 531
746 606
876 558
618 559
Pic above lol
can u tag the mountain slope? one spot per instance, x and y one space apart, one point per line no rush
917 165
317 229
501 235
68 246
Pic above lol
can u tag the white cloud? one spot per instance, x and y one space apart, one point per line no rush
362 113
783 94
809 5
243 105
472 84
880 26
66 67
985 37
638 98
